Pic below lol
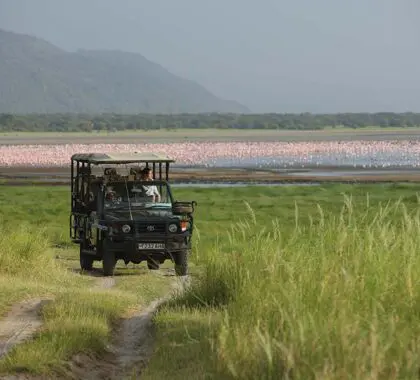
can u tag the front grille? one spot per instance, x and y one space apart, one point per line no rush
150 227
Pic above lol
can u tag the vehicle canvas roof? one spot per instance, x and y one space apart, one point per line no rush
121 158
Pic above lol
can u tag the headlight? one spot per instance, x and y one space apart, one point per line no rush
173 228
126 228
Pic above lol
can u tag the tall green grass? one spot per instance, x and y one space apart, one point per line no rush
26 250
337 298
27 265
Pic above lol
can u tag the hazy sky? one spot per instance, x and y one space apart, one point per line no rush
271 55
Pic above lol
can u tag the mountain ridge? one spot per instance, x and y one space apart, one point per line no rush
39 77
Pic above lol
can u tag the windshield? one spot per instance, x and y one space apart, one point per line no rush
137 195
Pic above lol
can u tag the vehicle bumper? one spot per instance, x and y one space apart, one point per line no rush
128 249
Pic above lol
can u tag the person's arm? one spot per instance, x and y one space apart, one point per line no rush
156 192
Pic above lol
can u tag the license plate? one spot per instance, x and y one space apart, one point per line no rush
151 246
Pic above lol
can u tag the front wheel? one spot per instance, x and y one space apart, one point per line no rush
86 261
181 263
108 261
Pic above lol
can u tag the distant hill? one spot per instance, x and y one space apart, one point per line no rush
38 77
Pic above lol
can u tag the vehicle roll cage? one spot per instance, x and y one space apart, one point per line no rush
82 179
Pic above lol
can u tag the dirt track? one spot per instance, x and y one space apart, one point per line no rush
131 347
128 354
21 323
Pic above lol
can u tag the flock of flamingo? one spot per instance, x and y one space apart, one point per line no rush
210 154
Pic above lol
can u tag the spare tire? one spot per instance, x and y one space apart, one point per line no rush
182 208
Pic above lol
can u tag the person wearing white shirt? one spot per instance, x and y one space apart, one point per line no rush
151 191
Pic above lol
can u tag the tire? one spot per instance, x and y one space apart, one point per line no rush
181 263
153 264
108 262
86 261
180 208
183 210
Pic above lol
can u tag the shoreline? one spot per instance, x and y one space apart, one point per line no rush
193 175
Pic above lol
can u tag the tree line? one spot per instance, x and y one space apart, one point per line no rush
116 122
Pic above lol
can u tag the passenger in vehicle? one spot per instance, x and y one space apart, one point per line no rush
110 194
92 204
151 191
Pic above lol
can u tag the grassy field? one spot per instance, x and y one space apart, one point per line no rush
306 284
158 136
313 282
34 228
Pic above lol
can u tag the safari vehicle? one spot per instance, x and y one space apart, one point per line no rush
114 217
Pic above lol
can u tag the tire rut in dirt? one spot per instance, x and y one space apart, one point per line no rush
21 323
135 343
